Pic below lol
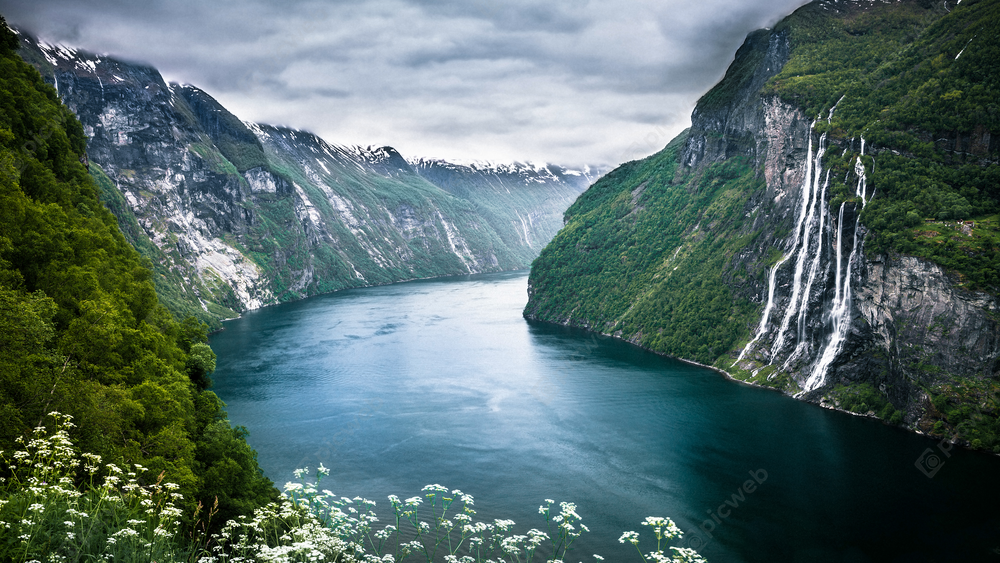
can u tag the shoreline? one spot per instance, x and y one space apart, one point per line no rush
408 280
729 377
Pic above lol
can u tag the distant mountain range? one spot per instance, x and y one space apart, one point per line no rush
234 216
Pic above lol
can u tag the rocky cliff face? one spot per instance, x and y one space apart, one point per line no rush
755 220
729 121
835 316
235 216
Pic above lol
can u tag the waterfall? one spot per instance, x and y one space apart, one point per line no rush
840 312
810 189
812 269
840 234
829 118
803 211
761 328
802 343
859 169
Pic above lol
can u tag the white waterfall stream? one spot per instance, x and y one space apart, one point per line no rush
810 189
803 211
840 311
859 169
802 343
808 251
761 328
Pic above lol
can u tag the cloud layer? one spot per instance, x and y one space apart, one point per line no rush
567 81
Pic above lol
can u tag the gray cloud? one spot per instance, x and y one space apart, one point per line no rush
569 81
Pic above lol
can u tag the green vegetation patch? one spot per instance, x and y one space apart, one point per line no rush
81 329
922 85
968 409
642 257
866 399
219 163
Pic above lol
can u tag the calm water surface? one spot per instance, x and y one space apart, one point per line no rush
443 381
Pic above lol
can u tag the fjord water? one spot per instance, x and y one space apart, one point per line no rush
443 381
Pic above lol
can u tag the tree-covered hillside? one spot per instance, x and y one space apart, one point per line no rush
716 250
922 86
81 329
640 256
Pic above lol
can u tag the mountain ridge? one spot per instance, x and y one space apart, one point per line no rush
812 232
236 215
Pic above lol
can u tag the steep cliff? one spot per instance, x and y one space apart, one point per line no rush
234 216
505 195
813 231
83 334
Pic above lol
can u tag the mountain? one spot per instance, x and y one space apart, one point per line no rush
83 334
505 194
234 216
827 226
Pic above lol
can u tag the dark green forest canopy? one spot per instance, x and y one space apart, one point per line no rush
81 330
921 84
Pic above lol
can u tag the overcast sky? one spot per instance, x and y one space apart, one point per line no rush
562 81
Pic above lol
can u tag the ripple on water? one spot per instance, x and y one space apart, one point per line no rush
443 382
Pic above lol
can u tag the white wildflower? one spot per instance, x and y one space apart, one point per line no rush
632 537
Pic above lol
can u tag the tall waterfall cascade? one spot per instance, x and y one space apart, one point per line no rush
807 314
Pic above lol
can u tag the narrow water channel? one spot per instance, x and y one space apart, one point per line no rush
443 381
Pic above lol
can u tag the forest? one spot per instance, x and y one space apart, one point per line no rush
81 329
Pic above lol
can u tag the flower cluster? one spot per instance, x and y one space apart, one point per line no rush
47 517
439 524
119 516
665 530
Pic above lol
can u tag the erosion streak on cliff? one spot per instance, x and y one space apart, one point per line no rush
811 153
235 216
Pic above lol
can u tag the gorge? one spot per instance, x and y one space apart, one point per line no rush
828 228
857 253
235 215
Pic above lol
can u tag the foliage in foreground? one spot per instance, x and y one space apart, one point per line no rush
81 329
61 505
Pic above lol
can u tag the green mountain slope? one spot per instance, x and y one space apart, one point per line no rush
923 85
81 330
826 227
641 255
234 216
